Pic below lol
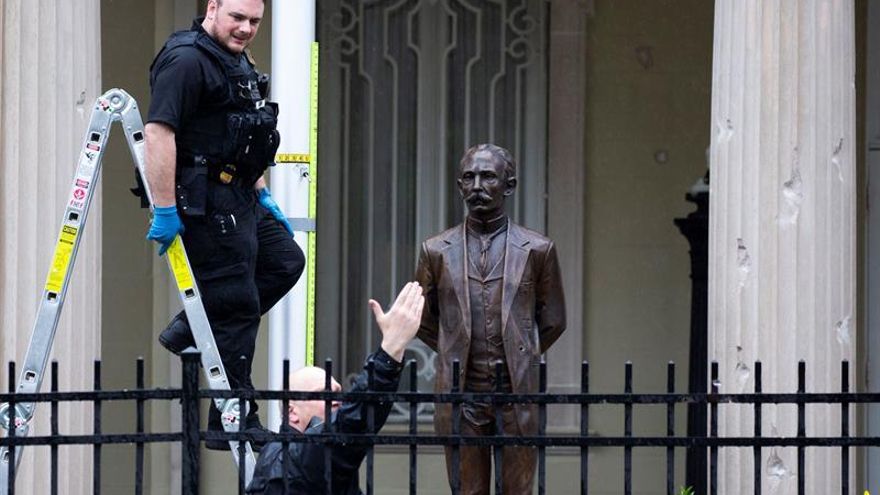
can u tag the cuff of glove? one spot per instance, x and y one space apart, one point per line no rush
165 211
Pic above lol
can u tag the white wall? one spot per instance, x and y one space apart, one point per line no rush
49 79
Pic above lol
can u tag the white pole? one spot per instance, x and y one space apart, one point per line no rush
293 31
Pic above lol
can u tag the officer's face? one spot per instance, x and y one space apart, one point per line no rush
484 185
234 23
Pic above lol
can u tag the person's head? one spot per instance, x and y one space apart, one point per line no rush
301 412
233 23
487 175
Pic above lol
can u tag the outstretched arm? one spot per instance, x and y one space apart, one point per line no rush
398 326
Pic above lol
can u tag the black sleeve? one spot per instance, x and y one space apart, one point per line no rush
352 418
177 82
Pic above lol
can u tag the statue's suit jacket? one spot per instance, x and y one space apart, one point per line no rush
532 311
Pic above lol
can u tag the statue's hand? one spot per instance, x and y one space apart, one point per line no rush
401 323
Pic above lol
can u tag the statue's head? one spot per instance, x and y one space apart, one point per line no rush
487 176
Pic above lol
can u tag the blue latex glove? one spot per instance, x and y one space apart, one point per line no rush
165 227
268 203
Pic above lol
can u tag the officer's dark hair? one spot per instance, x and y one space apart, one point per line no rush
220 3
497 152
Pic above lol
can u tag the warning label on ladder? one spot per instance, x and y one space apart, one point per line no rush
61 259
179 265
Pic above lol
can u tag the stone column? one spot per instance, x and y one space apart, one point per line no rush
49 77
782 239
566 172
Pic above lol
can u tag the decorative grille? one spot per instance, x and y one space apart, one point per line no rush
411 85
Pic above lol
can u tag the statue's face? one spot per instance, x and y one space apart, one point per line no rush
484 184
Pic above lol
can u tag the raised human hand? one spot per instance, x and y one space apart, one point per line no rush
401 323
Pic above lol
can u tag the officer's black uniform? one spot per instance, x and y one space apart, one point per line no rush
305 468
243 259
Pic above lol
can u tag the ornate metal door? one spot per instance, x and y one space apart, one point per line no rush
406 87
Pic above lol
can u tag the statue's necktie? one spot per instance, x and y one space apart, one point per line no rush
485 243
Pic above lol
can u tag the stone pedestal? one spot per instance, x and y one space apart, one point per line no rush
782 239
49 78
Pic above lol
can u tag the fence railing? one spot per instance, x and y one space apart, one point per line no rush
190 436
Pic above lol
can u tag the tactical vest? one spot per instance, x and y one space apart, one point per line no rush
240 131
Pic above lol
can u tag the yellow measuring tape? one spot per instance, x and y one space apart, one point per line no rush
311 237
313 206
292 158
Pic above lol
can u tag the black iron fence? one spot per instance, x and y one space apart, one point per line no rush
190 436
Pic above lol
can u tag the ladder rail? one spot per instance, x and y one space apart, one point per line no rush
190 297
55 289
114 105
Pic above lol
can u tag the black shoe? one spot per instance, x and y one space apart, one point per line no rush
252 426
177 336
214 424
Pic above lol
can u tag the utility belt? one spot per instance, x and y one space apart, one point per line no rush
192 181
229 174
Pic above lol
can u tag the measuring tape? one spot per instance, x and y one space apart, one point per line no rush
313 207
311 236
293 157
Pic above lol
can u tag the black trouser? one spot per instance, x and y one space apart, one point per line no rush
244 262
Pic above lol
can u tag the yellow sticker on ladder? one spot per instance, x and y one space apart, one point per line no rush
61 258
179 265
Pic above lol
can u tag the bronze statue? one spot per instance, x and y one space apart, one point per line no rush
493 292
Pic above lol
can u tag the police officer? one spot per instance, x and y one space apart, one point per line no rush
210 135
306 461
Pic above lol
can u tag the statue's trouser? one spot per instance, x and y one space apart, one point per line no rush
517 464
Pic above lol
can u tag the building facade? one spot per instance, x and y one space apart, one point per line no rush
614 109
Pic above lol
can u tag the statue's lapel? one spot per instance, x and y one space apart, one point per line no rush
515 257
455 260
